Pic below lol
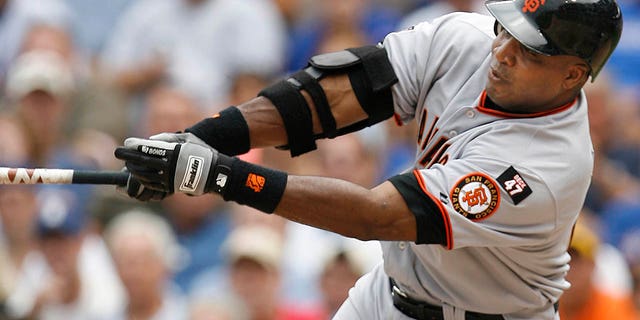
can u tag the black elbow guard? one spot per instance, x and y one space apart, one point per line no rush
371 76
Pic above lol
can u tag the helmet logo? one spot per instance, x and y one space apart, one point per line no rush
532 5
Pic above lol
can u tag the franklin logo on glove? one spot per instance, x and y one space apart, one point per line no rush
192 176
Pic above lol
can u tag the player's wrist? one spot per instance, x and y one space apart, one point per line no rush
227 132
246 183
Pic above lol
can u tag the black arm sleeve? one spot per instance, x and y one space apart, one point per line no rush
430 220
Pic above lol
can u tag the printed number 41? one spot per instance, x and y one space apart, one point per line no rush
513 187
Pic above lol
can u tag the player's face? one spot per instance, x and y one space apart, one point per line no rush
522 80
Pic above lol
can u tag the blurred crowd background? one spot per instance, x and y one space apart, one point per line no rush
78 76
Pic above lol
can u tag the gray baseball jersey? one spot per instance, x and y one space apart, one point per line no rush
498 192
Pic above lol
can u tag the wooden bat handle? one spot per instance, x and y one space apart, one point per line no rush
61 176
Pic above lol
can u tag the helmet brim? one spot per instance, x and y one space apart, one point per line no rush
510 16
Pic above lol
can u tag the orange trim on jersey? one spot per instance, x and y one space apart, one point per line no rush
397 119
443 210
504 114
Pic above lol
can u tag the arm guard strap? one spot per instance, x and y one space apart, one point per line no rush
371 76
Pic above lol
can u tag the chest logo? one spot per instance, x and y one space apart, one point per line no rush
475 196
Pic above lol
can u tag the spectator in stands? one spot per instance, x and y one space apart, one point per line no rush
39 84
56 39
201 227
92 105
22 265
608 106
217 308
144 250
290 10
585 299
42 86
168 109
81 282
615 153
195 45
342 268
13 149
255 258
93 22
338 24
17 17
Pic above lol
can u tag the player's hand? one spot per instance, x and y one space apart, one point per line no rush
135 189
169 162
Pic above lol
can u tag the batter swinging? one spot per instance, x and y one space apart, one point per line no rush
480 227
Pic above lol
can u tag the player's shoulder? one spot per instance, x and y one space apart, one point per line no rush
547 150
471 19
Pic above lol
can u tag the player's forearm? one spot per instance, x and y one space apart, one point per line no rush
336 94
266 128
265 124
184 163
348 209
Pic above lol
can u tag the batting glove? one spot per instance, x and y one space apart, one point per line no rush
168 163
135 189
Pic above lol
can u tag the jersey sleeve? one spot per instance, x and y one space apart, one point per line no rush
424 57
433 223
480 209
466 203
484 198
404 48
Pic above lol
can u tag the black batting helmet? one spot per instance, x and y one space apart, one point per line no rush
589 29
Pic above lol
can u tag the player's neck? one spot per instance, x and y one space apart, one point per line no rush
488 103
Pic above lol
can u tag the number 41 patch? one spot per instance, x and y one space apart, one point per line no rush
513 183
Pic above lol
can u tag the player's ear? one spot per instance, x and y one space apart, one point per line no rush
576 75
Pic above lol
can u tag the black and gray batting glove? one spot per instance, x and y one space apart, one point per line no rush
135 189
169 162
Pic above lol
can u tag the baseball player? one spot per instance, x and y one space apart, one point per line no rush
480 227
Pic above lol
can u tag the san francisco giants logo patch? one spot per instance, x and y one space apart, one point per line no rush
532 5
475 196
255 182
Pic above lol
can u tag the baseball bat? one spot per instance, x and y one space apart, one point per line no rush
61 176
